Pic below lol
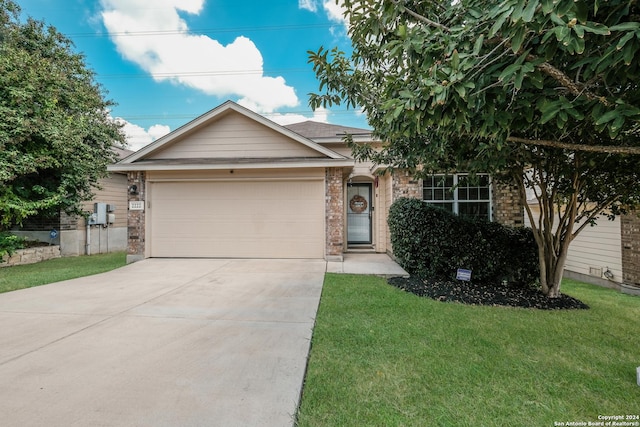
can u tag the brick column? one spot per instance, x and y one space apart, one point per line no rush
136 218
334 212
630 228
507 207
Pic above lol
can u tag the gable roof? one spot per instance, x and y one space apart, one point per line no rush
150 157
316 130
122 152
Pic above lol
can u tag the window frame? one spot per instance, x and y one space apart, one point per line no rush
455 200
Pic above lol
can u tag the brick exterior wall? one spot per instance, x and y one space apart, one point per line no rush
334 206
136 219
405 185
507 207
630 228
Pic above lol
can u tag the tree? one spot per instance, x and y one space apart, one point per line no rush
542 94
56 136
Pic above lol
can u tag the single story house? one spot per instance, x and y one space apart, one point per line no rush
232 183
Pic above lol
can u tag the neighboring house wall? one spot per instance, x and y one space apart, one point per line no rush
630 242
594 251
72 230
102 239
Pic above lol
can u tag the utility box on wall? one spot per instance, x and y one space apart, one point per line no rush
99 216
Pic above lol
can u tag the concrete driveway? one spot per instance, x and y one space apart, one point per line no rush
161 342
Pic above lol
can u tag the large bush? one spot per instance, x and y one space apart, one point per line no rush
432 242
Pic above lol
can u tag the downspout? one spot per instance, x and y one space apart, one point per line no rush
88 245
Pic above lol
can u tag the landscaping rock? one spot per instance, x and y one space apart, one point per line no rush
31 255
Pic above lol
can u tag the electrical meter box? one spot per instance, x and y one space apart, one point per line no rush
100 214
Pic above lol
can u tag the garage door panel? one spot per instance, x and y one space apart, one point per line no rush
261 219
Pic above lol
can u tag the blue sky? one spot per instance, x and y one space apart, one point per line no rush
165 62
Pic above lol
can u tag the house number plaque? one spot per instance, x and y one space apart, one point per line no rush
358 204
136 205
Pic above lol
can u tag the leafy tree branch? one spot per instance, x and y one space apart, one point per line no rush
504 87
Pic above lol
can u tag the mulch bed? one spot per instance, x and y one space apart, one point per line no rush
483 294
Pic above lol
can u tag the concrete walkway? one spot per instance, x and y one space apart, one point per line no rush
161 343
364 263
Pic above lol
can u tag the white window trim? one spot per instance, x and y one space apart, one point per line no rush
455 201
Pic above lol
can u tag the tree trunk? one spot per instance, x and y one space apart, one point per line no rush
552 239
552 260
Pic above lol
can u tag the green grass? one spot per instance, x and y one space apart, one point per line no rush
384 357
55 270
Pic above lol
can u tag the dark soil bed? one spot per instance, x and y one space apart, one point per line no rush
482 294
34 244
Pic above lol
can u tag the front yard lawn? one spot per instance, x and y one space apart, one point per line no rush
55 270
384 357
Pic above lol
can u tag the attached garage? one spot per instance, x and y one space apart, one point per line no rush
237 219
233 184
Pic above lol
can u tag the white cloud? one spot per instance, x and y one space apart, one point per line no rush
138 137
335 12
170 53
319 115
309 5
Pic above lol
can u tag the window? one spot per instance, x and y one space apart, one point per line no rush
459 194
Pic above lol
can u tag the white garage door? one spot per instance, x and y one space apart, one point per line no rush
237 219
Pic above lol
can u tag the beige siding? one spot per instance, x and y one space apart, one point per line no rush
360 168
113 192
234 136
246 218
388 184
595 249
381 213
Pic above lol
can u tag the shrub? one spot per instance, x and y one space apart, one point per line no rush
432 242
9 243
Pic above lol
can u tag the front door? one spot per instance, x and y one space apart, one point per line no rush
359 212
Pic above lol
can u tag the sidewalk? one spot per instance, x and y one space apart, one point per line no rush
375 264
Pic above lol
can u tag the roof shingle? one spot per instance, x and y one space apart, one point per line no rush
311 130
